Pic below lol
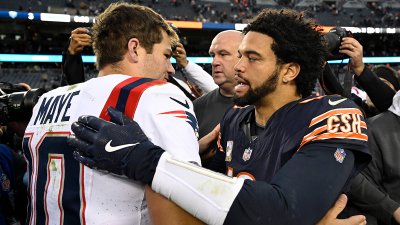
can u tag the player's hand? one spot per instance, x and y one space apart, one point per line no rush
205 142
180 55
80 38
114 146
352 48
330 217
396 215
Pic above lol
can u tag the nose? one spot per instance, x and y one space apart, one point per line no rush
170 70
239 66
216 61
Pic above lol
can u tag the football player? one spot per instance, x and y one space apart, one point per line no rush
133 47
290 154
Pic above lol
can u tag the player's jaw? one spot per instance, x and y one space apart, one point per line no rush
242 86
246 94
218 75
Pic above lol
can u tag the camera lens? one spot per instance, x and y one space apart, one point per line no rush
333 41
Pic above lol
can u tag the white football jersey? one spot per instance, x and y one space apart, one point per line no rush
62 191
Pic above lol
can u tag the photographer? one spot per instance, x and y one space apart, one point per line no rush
373 192
378 91
13 112
72 64
341 45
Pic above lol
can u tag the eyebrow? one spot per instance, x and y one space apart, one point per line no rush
218 51
248 52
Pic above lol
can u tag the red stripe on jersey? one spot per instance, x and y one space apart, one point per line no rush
174 112
83 207
32 188
183 117
61 185
49 133
113 98
135 94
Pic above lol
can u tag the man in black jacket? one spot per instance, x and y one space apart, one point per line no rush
377 190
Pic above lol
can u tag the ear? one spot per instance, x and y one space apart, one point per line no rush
133 45
290 72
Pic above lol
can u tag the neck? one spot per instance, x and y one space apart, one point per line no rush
107 71
121 67
268 105
227 92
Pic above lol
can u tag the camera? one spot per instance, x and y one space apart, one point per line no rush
16 104
333 40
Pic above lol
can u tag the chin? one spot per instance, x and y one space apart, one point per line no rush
240 101
218 83
248 98
219 78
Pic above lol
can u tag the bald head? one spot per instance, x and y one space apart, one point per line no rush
232 36
223 49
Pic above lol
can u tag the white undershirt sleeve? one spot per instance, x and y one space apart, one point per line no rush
203 193
200 77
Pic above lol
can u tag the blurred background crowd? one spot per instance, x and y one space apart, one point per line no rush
29 37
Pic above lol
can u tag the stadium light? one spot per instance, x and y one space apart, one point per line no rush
33 58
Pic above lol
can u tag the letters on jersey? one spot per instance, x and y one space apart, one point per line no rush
54 109
326 120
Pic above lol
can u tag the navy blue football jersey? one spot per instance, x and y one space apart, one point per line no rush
323 121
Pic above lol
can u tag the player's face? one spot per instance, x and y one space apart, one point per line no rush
223 49
157 65
257 73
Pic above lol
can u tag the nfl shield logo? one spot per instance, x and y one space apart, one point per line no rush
247 154
339 155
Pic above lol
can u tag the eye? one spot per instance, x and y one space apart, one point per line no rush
168 56
252 59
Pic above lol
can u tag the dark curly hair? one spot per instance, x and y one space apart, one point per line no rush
295 39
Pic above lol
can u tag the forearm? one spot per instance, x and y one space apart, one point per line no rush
330 83
73 68
200 77
201 192
301 193
286 200
164 212
380 93
368 197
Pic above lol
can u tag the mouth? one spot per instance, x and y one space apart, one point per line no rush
216 73
242 86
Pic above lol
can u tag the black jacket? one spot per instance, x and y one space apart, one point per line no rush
377 190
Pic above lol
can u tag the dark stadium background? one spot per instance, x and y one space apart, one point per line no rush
25 36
